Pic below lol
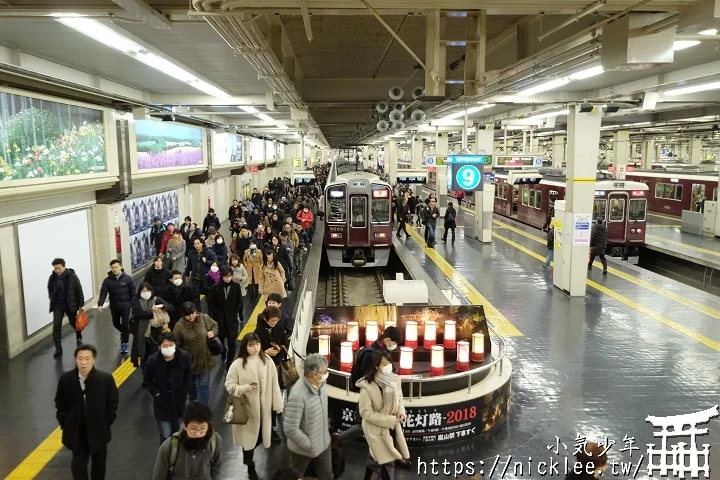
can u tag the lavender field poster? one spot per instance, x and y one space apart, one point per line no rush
42 139
166 144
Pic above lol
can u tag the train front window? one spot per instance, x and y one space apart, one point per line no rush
336 204
599 208
357 207
637 208
617 209
380 205
669 191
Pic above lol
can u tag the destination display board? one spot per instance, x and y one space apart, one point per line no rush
518 161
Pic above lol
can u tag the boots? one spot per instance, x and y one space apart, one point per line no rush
252 474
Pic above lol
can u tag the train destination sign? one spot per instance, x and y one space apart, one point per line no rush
412 179
518 161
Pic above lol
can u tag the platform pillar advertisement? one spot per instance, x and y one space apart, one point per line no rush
561 272
583 130
485 198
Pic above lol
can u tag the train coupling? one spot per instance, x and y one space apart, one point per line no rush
358 259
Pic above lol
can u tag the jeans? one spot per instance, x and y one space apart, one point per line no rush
121 321
430 233
59 313
549 258
322 464
200 388
166 429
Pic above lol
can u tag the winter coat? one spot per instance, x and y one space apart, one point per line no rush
550 238
254 266
241 245
305 219
121 290
186 232
305 420
286 322
156 236
273 281
240 276
98 410
142 320
176 296
210 221
159 279
293 237
196 269
275 335
598 238
192 337
428 218
74 297
379 428
289 247
196 465
450 215
167 236
168 382
283 256
221 252
263 400
178 252
225 310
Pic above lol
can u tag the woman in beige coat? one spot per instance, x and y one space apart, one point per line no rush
253 261
273 276
382 411
254 375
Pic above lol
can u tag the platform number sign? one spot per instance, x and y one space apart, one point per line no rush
467 172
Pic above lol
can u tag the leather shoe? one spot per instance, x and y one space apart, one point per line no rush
58 352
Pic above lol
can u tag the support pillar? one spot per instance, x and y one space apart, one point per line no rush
648 154
475 50
524 146
435 54
534 148
464 134
558 150
485 199
441 189
695 151
391 160
416 157
570 271
621 153
366 155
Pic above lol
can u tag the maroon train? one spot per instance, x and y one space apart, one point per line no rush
670 193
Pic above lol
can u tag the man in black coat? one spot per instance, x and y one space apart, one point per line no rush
225 302
286 321
121 288
178 293
449 222
200 259
166 377
401 212
211 220
86 405
66 298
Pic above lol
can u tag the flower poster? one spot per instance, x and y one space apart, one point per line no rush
167 144
41 139
139 213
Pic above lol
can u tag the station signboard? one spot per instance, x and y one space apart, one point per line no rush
465 172
518 161
412 179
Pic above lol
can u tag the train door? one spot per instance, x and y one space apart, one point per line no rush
359 231
515 196
617 216
698 197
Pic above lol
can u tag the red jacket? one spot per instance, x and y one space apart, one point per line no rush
305 218
165 239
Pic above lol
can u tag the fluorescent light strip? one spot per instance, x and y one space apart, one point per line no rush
590 72
693 89
683 44
110 38
265 117
549 115
470 111
249 109
558 82
712 31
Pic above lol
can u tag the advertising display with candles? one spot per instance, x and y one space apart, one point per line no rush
427 426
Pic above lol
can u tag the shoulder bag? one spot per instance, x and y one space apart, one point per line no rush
287 371
214 344
81 320
237 410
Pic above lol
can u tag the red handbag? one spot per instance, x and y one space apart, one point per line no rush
81 320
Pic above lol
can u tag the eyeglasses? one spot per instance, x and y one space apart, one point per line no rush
200 431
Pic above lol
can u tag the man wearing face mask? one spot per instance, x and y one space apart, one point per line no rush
191 334
306 420
178 293
167 378
306 219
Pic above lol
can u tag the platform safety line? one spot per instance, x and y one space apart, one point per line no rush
622 299
251 323
33 464
497 319
685 245
660 215
659 225
709 311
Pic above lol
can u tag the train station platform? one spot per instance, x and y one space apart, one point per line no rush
637 344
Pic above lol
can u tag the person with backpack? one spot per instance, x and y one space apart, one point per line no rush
550 246
449 223
195 452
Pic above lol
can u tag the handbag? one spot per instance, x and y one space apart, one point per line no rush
215 346
81 320
287 370
237 410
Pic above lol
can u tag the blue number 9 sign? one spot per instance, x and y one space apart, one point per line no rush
468 177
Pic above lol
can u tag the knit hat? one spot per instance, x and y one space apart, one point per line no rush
212 231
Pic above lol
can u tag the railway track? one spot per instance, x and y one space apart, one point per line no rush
354 287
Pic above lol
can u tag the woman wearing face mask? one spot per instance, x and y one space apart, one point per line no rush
239 273
382 411
254 376
151 318
267 237
253 261
273 276
176 250
213 277
281 254
178 293
221 250
158 276
276 223
166 377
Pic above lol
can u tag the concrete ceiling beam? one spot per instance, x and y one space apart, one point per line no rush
145 12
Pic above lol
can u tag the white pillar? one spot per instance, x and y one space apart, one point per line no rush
583 130
648 154
524 149
441 190
391 160
558 147
621 153
534 149
484 200
464 134
695 151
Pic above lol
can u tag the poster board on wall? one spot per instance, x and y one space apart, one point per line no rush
168 145
227 148
257 150
70 239
138 213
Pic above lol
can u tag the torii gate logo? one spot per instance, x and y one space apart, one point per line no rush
682 460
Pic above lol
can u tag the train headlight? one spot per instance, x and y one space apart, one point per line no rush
336 235
632 230
381 235
639 230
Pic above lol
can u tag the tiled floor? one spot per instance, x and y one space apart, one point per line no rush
638 344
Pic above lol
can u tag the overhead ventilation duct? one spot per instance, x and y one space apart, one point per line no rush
382 107
396 93
397 116
418 115
625 47
383 126
419 92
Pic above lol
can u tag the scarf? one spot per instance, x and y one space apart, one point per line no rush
390 392
175 242
146 305
214 275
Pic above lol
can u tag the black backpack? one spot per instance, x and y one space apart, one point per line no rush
356 374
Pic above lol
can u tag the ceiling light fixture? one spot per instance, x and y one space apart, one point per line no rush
469 111
549 115
558 82
693 89
110 38
249 109
712 31
587 73
683 44
265 117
